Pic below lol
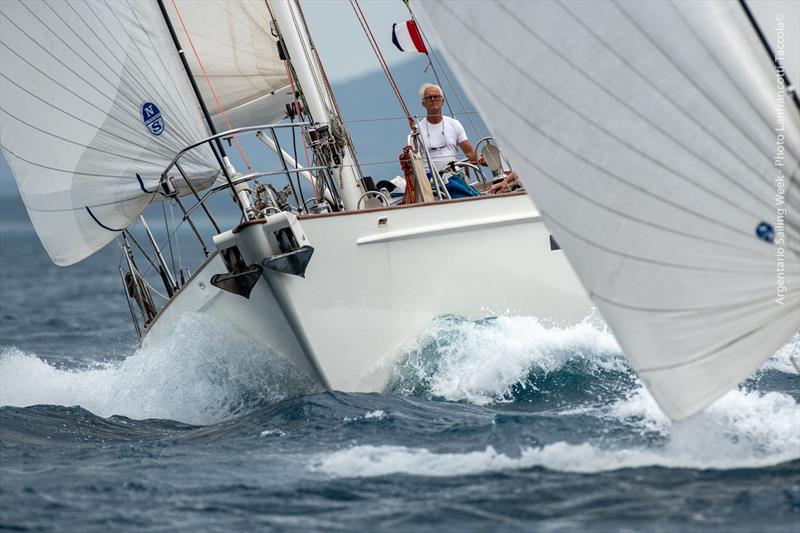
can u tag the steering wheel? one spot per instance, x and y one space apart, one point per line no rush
377 194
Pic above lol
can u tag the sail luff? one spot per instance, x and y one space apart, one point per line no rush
650 144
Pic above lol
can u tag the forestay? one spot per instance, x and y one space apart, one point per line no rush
239 56
655 141
94 103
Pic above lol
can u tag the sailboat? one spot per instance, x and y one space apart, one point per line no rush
110 107
661 142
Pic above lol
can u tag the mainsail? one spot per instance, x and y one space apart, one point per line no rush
662 149
239 57
94 103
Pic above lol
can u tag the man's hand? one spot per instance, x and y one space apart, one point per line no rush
506 185
500 186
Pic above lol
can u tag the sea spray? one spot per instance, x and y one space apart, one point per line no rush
203 374
496 360
500 361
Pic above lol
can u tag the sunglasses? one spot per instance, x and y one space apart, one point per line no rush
433 98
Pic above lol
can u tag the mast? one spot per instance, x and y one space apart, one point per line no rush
241 193
327 139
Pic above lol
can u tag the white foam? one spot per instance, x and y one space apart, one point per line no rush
479 362
742 430
205 373
371 461
378 414
739 426
782 360
272 433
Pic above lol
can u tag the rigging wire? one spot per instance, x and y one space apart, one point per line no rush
169 239
384 119
331 94
432 52
429 49
375 48
210 86
152 288
298 111
177 240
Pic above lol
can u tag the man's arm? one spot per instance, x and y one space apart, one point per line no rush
464 144
468 150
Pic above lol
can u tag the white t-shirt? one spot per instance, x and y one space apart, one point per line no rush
442 141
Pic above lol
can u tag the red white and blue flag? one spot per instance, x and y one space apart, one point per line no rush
407 38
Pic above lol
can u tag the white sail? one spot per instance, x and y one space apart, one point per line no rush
654 139
94 103
239 55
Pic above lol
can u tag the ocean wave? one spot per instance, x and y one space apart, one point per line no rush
521 359
742 430
505 359
204 374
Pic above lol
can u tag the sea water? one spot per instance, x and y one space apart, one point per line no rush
502 424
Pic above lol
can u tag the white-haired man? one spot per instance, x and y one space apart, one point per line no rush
443 135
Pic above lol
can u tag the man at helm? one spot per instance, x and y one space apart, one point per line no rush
442 135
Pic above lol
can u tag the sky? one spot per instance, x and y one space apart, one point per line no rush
341 40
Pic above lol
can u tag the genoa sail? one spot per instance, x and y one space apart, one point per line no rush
662 150
94 104
239 60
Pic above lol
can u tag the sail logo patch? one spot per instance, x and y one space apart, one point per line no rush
151 115
766 232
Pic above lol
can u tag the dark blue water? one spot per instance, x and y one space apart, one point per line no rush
495 425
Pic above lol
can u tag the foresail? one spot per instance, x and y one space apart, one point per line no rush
656 141
94 103
239 55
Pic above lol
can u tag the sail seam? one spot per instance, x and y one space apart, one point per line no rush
702 91
71 49
747 304
91 48
641 259
88 147
639 114
610 174
714 352
56 108
71 172
712 193
182 103
135 66
732 82
121 200
648 82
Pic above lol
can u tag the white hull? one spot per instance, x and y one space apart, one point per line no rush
377 278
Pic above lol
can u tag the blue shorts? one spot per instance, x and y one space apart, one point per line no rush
457 187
